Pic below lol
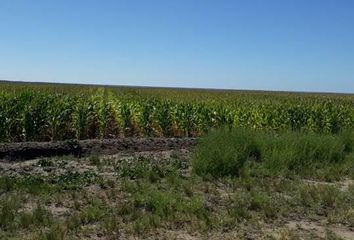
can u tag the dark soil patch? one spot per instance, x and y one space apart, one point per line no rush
31 150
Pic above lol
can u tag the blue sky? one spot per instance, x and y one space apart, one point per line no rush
299 45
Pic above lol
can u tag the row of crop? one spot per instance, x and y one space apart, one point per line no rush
44 115
231 98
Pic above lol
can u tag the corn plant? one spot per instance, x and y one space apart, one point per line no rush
54 112
164 118
127 119
146 117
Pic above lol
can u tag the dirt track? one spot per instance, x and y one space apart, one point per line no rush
31 150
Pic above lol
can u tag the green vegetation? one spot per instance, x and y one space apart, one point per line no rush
229 152
144 196
225 152
49 184
57 112
267 166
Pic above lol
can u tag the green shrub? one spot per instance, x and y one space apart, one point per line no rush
224 152
299 152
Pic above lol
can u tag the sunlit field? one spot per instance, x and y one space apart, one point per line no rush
154 163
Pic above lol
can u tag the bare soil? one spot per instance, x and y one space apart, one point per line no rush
18 161
31 150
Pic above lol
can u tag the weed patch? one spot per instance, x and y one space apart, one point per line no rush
226 152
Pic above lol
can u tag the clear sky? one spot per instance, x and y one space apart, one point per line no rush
301 45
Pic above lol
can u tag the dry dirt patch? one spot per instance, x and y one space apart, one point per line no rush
30 150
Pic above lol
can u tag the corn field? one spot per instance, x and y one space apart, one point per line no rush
46 112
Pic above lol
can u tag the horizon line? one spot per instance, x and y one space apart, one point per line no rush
176 88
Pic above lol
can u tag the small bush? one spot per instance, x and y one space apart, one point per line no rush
225 152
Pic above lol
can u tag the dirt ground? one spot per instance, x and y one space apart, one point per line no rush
30 150
299 224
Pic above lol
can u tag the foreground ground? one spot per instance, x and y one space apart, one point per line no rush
155 195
